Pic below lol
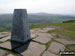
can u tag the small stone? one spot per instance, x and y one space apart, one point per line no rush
56 47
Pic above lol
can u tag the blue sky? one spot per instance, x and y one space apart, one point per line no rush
35 6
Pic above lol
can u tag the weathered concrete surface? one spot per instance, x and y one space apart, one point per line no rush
20 26
2 52
34 49
65 41
43 37
47 53
56 47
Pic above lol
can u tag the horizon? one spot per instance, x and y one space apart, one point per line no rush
43 13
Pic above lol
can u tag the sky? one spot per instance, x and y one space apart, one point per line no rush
35 6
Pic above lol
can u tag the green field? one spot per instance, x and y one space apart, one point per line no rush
66 29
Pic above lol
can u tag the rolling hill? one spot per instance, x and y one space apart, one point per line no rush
35 18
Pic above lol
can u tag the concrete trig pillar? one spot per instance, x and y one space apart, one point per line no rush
20 26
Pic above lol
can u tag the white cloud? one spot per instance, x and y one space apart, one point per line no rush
50 6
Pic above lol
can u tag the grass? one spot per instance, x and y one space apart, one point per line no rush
37 26
70 47
4 30
67 29
9 52
69 21
47 45
57 36
67 55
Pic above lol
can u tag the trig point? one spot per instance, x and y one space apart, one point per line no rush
20 26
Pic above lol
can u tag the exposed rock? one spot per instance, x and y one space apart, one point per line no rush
34 49
9 45
43 37
5 39
47 53
56 47
2 52
33 35
65 41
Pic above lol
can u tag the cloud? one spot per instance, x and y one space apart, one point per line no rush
50 6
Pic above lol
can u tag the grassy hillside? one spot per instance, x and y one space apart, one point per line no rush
66 29
36 18
69 21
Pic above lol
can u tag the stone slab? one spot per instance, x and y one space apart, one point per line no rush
47 53
43 37
56 47
34 49
2 52
9 45
65 41
4 34
5 39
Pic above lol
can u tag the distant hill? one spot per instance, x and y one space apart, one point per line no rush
34 18
69 21
38 18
